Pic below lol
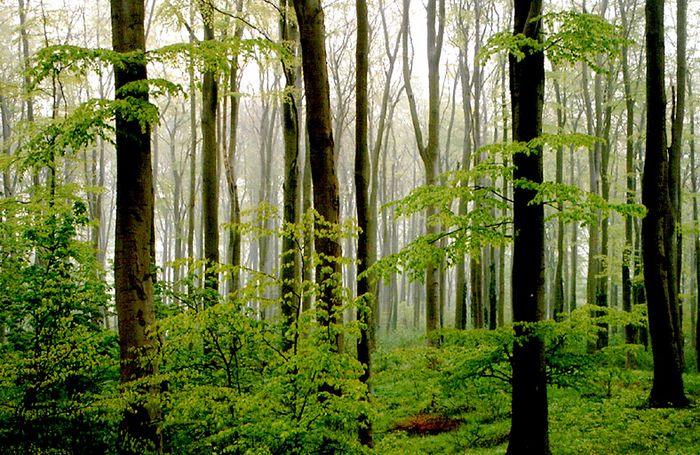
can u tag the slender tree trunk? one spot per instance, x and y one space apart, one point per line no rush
133 261
558 294
193 152
695 307
658 227
290 264
674 176
627 252
367 308
529 432
210 184
429 152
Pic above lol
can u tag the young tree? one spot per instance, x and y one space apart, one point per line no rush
658 227
529 424
133 261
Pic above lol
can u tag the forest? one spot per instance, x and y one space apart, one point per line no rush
391 227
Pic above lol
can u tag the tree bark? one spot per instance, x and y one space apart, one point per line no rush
674 176
318 124
290 264
658 227
429 152
133 261
529 422
210 183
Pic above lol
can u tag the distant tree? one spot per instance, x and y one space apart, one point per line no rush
658 227
429 150
133 260
529 421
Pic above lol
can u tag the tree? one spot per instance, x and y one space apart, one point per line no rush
429 152
658 227
133 261
674 177
290 266
365 311
529 422
210 183
326 197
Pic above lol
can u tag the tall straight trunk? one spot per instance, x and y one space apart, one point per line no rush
366 310
594 187
573 280
674 176
558 294
529 421
193 151
326 197
133 260
461 271
229 161
429 152
210 183
658 227
695 307
504 191
290 264
627 252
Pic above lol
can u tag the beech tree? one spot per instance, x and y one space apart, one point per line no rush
529 421
326 197
659 225
133 248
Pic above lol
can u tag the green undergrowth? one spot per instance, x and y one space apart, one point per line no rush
596 405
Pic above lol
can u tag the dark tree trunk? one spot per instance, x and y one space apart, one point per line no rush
318 124
627 252
290 265
365 311
674 176
658 227
210 184
529 432
133 261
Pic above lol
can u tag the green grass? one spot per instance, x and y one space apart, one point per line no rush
604 412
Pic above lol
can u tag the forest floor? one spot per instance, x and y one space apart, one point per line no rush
426 404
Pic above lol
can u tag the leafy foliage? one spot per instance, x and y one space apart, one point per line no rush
568 37
57 361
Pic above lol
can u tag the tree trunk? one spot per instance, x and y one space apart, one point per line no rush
627 252
658 227
290 265
674 176
318 124
133 261
367 307
695 307
210 184
429 152
558 294
529 422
